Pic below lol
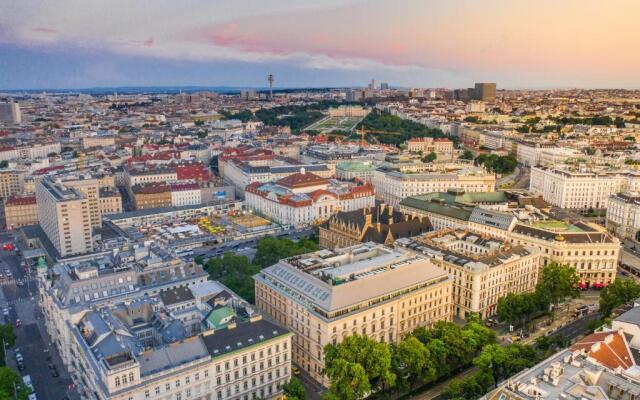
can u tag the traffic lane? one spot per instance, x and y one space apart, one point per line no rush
312 387
36 361
577 327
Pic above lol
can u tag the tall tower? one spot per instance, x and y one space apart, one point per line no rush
270 79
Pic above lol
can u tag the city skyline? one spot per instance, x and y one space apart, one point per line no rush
64 45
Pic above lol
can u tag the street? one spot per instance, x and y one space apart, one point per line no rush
31 337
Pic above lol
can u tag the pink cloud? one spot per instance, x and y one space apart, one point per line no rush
44 29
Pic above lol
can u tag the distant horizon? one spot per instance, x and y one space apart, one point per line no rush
233 88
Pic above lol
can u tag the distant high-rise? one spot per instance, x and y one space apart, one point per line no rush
270 79
384 86
485 92
10 113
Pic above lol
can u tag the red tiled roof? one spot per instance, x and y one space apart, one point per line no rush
608 348
300 180
20 200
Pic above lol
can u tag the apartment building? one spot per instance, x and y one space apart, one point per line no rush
242 173
11 182
306 198
141 324
484 268
98 141
587 247
155 195
65 217
581 189
20 211
393 185
109 201
185 194
379 224
623 214
368 289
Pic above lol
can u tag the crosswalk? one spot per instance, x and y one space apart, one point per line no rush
12 281
22 300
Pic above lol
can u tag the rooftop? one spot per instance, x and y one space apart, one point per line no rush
333 280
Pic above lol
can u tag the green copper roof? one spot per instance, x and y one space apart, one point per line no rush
355 166
454 196
437 207
220 317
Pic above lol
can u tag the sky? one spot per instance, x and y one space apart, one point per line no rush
53 44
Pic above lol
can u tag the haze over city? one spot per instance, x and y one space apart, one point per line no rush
521 44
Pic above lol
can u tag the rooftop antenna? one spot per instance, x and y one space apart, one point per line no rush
270 80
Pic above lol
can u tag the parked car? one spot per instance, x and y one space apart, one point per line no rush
8 247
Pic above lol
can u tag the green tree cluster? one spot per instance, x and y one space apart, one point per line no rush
11 385
556 283
400 130
495 363
595 120
236 272
618 293
271 250
496 163
244 115
466 155
359 365
294 390
431 157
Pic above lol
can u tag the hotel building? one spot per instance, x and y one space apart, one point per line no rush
368 289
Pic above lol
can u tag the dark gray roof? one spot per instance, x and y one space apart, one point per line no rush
243 335
176 295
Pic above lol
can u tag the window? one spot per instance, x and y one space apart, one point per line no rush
117 381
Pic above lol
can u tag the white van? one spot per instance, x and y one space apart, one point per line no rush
27 382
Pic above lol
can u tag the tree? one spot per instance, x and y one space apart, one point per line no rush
271 250
294 390
466 155
235 272
7 335
4 164
618 293
374 357
412 363
349 380
10 384
503 362
558 282
431 157
471 387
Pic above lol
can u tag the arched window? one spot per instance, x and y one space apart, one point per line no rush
130 376
124 379
117 381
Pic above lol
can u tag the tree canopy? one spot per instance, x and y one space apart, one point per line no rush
618 293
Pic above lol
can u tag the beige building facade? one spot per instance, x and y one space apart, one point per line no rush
368 289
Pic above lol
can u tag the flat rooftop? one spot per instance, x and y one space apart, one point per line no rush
352 277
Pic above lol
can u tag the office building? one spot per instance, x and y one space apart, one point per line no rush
484 269
65 217
580 188
485 92
368 289
350 170
10 113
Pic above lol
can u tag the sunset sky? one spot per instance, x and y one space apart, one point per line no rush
304 43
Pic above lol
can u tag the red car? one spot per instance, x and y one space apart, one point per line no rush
8 247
